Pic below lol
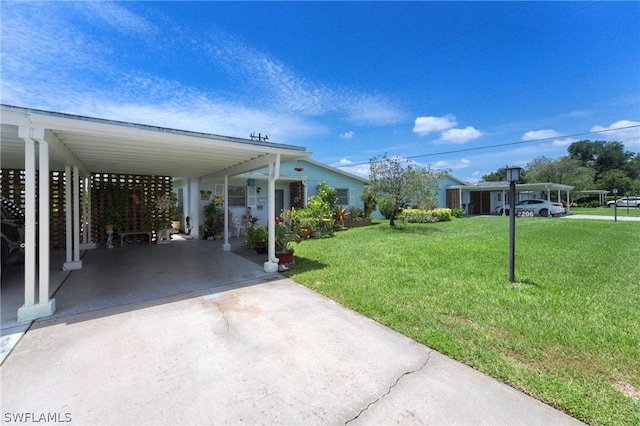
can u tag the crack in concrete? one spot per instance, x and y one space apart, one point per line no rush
390 388
223 315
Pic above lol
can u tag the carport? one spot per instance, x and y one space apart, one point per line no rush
42 141
481 197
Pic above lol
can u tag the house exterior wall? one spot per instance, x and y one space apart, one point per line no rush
445 181
316 174
256 186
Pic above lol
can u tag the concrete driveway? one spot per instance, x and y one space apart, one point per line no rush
600 217
261 350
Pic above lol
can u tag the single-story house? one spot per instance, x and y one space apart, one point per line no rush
486 197
296 182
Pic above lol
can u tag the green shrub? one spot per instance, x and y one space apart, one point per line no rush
588 204
425 216
417 216
386 208
443 214
457 212
356 213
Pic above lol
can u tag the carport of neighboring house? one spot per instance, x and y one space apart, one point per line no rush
485 197
39 142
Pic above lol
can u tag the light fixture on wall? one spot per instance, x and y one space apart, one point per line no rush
258 189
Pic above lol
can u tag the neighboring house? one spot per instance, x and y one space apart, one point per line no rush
297 182
486 197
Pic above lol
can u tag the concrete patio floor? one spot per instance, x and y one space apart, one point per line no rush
187 334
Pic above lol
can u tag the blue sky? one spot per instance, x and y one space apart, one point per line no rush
349 81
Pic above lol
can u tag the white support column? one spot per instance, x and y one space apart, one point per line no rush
194 206
85 212
73 227
304 202
226 246
87 236
68 207
44 306
29 226
76 215
48 306
271 265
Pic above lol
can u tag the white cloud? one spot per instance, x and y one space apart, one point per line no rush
475 177
577 114
363 170
345 162
347 135
462 163
565 142
278 86
460 136
621 131
540 134
75 70
425 125
116 16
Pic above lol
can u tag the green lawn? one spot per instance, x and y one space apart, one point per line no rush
605 211
567 332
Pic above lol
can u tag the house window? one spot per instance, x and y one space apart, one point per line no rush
237 196
343 197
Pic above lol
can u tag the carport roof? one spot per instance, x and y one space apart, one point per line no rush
108 146
503 186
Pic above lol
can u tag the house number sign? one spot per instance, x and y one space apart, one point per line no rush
525 213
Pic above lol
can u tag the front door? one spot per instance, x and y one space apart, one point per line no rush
279 201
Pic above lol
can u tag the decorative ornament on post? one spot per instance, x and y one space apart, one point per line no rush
513 176
109 231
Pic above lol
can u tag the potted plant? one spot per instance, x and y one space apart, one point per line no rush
176 214
210 220
257 238
307 226
113 219
161 218
285 237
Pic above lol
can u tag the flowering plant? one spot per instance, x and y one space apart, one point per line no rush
285 236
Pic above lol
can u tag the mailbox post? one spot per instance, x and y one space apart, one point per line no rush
513 176
615 204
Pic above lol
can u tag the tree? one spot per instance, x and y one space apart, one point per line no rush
602 156
565 170
499 175
399 183
369 199
585 151
617 179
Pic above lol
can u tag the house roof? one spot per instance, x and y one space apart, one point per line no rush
503 186
108 146
455 178
336 170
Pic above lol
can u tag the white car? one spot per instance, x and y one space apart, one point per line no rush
539 207
624 202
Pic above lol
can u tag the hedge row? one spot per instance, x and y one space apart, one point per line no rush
426 216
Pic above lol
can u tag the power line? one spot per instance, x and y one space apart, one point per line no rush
456 151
